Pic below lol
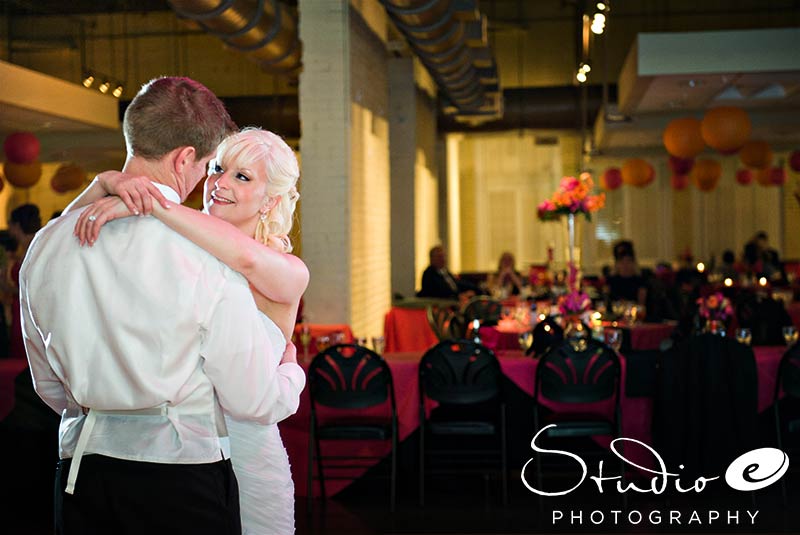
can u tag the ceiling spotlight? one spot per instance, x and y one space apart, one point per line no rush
585 67
118 91
581 76
597 30
601 6
599 18
88 80
104 87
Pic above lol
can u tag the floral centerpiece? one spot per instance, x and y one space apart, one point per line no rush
716 310
572 197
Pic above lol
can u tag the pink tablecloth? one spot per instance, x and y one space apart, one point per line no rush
407 329
794 312
9 369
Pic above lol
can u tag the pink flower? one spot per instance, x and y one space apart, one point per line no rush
569 183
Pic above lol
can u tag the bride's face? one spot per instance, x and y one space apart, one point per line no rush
236 192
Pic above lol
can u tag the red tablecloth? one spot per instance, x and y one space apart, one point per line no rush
636 412
9 369
794 312
407 329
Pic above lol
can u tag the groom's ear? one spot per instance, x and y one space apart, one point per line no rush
184 157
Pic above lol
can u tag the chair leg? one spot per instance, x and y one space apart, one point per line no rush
422 464
780 447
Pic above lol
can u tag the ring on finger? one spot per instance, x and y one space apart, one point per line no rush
92 218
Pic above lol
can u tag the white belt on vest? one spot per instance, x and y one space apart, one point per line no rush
91 417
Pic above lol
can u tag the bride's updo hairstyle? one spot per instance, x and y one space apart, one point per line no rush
267 152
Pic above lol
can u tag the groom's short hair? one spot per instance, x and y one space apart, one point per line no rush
173 112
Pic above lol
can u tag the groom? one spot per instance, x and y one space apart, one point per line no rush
141 340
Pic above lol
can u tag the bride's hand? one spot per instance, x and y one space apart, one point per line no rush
137 192
289 354
96 215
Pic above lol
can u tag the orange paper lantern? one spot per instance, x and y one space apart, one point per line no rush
762 177
682 138
637 172
22 175
706 174
611 179
756 154
725 129
68 177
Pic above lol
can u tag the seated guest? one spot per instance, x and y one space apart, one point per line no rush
507 281
625 283
772 268
727 269
437 281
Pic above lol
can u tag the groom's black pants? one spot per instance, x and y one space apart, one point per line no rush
129 497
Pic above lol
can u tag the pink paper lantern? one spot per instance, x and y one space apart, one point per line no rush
794 161
679 182
744 176
777 176
611 179
680 166
22 147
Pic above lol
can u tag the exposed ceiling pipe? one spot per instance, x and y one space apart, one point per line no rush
449 37
263 29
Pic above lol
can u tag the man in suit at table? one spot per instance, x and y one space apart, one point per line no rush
437 281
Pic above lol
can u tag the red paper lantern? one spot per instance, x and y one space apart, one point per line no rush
67 178
680 166
756 154
611 179
726 129
777 176
705 174
22 147
682 138
679 182
637 172
794 161
22 175
744 176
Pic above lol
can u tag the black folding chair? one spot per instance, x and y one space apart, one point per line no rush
482 308
350 377
788 381
465 379
446 322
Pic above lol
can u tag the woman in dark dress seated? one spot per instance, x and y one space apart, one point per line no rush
626 283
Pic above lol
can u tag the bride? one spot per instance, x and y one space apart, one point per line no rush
251 195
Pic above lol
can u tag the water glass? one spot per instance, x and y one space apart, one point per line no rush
613 338
361 341
790 335
338 338
378 344
526 340
323 343
744 336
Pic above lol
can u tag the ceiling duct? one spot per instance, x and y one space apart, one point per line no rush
449 37
263 29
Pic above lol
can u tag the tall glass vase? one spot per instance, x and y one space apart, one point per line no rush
573 238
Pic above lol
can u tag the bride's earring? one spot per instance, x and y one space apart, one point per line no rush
261 229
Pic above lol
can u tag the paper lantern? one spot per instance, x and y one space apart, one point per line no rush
680 166
794 161
705 174
744 176
682 138
777 176
22 175
68 177
637 172
762 177
611 179
756 154
679 182
725 129
22 147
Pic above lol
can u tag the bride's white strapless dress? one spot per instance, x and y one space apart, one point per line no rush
261 464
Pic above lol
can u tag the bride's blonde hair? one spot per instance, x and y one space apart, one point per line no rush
254 145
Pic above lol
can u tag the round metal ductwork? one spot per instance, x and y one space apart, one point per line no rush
449 37
262 29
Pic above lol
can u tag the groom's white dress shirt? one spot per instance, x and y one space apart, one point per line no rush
148 331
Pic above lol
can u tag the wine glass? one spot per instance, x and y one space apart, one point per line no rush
378 344
361 341
618 308
613 338
790 335
525 340
323 343
305 340
337 338
744 336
